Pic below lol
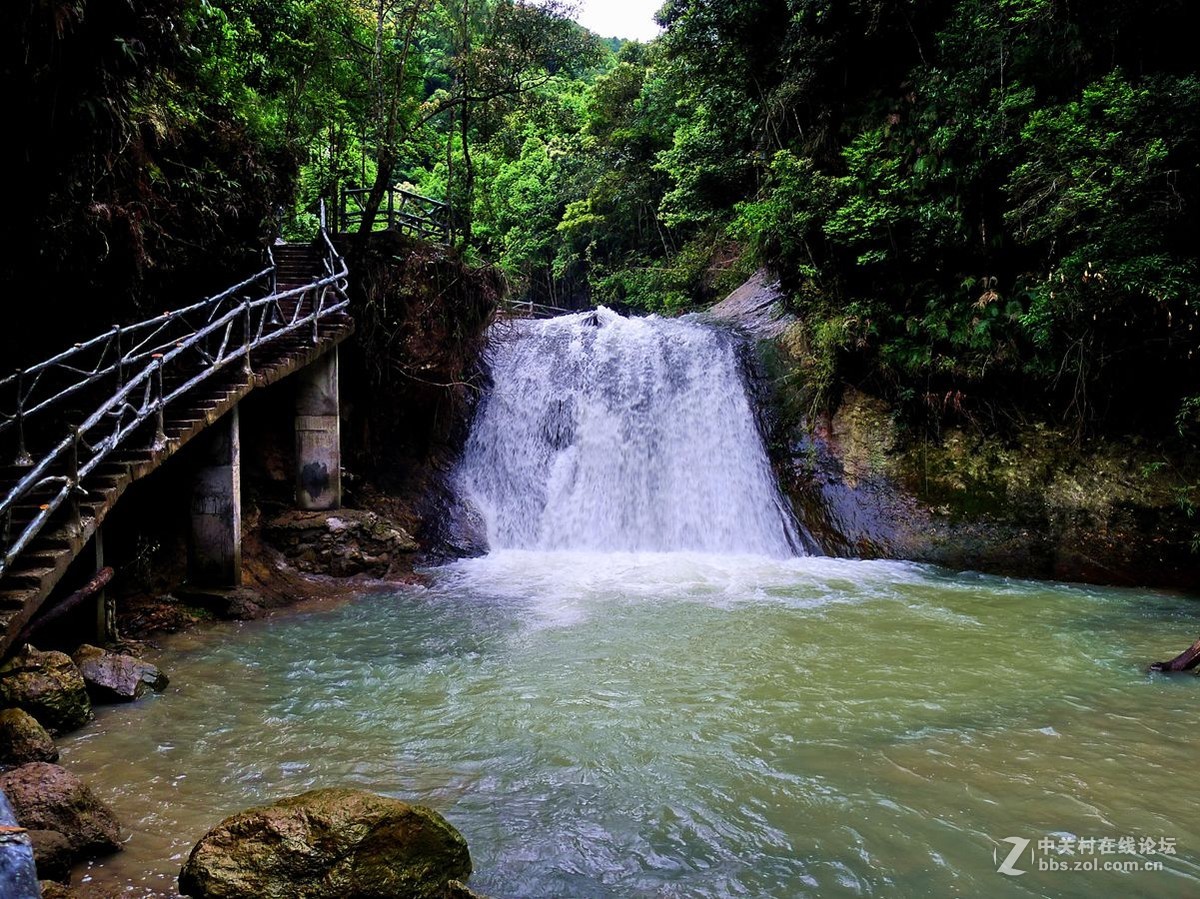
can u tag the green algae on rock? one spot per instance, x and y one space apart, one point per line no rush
48 686
328 844
23 740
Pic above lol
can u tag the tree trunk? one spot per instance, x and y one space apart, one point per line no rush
98 582
468 176
386 164
1185 661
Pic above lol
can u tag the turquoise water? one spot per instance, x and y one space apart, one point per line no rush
690 726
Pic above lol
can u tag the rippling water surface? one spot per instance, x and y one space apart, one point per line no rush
689 726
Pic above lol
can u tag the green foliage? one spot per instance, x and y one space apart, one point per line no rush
978 207
997 206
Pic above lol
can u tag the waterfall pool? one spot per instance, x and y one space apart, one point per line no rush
684 725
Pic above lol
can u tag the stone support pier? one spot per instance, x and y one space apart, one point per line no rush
215 550
318 436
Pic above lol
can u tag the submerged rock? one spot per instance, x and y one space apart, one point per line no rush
456 889
115 677
47 797
23 740
53 890
48 686
328 844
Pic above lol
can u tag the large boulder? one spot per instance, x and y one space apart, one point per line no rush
328 844
115 677
47 797
23 740
48 686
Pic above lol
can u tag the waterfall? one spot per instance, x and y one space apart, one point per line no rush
608 433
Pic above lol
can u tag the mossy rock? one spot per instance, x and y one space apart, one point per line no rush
48 686
328 844
23 740
47 797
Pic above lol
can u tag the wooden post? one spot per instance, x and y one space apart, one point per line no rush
23 458
247 336
73 487
160 432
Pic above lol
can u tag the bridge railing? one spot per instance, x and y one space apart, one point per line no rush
83 404
401 210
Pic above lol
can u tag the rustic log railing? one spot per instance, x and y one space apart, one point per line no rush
128 376
402 210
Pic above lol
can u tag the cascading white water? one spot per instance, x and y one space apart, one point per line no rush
608 433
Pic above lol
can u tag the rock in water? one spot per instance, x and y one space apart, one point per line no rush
48 686
328 844
47 797
52 890
53 855
114 677
23 740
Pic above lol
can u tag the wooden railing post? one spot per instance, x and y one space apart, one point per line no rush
160 411
73 488
318 302
247 339
23 458
120 357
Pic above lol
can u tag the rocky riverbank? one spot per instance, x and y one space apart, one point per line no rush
43 695
325 844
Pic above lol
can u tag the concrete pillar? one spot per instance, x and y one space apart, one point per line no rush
318 436
106 605
215 550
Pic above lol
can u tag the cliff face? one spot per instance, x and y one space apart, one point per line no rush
1031 503
411 380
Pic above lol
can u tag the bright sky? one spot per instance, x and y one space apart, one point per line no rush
632 19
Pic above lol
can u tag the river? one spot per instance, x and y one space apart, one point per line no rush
646 689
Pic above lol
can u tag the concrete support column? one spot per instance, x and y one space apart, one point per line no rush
106 606
215 550
318 436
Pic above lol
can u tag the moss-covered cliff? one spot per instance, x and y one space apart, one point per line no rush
1022 499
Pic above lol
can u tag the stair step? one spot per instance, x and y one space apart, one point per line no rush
42 557
109 469
13 599
31 576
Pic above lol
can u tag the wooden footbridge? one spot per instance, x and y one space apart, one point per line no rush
79 428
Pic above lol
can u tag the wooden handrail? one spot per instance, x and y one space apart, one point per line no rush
191 344
402 210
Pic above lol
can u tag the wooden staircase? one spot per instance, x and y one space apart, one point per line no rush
28 583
